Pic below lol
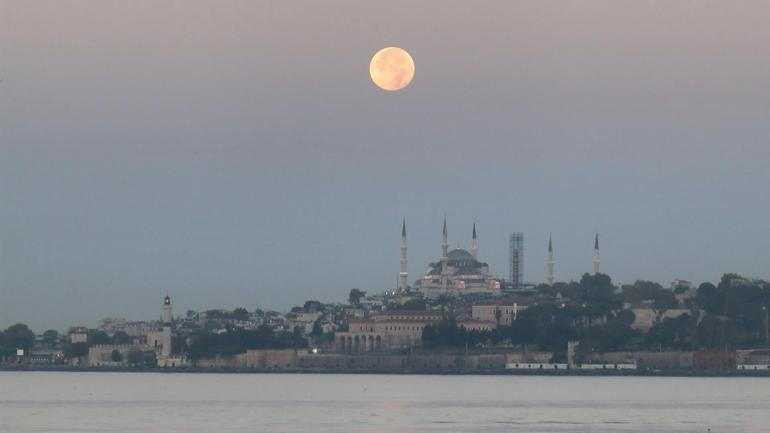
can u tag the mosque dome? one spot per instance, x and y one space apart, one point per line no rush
460 254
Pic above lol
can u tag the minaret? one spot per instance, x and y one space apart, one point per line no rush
596 254
444 256
474 244
549 264
166 317
402 276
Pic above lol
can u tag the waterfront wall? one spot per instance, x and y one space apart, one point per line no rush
290 359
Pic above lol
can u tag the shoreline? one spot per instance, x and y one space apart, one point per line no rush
400 372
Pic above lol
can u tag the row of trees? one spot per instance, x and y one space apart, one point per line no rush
234 341
101 337
730 315
239 313
448 334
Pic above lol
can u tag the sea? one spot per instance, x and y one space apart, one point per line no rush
66 402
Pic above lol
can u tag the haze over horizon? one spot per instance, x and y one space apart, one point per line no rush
238 154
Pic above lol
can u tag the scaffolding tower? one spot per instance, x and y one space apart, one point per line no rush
516 260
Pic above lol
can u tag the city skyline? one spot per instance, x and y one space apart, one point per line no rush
242 155
548 266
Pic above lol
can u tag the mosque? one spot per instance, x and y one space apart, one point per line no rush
457 272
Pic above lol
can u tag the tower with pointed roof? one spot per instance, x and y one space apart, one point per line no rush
166 317
549 277
474 244
444 256
402 275
596 254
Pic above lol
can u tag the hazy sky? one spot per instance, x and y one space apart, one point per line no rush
237 153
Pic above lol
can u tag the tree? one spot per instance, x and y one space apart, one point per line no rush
663 300
115 356
641 290
447 334
671 333
135 357
713 332
240 313
417 304
18 336
121 337
99 337
234 341
317 328
51 336
312 306
710 298
76 350
355 296
627 316
597 292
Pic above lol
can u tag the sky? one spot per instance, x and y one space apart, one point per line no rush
236 153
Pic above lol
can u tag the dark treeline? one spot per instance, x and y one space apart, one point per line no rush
18 336
234 341
101 337
449 334
239 313
730 315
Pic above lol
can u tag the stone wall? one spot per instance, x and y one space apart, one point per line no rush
292 359
400 362
101 354
235 361
715 360
286 358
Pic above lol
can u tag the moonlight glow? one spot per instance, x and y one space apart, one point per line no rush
391 69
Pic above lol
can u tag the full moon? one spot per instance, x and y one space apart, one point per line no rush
391 69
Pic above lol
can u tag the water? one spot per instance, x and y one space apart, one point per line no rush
221 403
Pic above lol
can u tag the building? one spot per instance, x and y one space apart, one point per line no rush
753 357
516 260
458 272
389 330
78 334
498 314
646 317
650 360
473 324
303 321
